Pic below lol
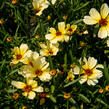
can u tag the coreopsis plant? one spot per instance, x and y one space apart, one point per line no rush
57 35
49 49
29 88
38 67
20 53
101 18
89 71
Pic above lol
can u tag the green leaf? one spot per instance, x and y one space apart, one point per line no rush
106 72
52 88
102 102
71 83
84 98
52 99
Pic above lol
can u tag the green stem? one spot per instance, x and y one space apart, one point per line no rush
50 61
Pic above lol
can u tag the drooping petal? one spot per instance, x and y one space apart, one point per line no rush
31 95
95 14
89 20
104 10
102 32
17 84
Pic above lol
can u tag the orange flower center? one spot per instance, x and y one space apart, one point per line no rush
27 88
88 72
50 52
103 22
18 57
38 72
58 33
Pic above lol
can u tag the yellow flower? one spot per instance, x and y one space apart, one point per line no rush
29 88
107 88
58 36
15 96
89 71
101 90
36 67
70 29
49 17
70 76
49 49
20 53
1 21
39 6
14 2
101 18
67 95
24 107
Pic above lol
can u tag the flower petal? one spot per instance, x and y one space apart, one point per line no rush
92 62
19 85
102 32
38 89
61 27
83 79
31 95
89 20
23 48
76 70
25 94
104 10
95 14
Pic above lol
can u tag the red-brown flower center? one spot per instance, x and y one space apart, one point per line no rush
103 22
37 10
27 88
70 29
50 52
88 72
58 33
38 72
31 64
18 57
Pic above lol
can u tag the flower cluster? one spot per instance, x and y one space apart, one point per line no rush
35 66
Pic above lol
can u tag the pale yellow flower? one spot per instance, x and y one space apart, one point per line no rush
39 6
36 68
29 88
70 76
20 53
70 29
58 36
49 49
89 71
101 18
